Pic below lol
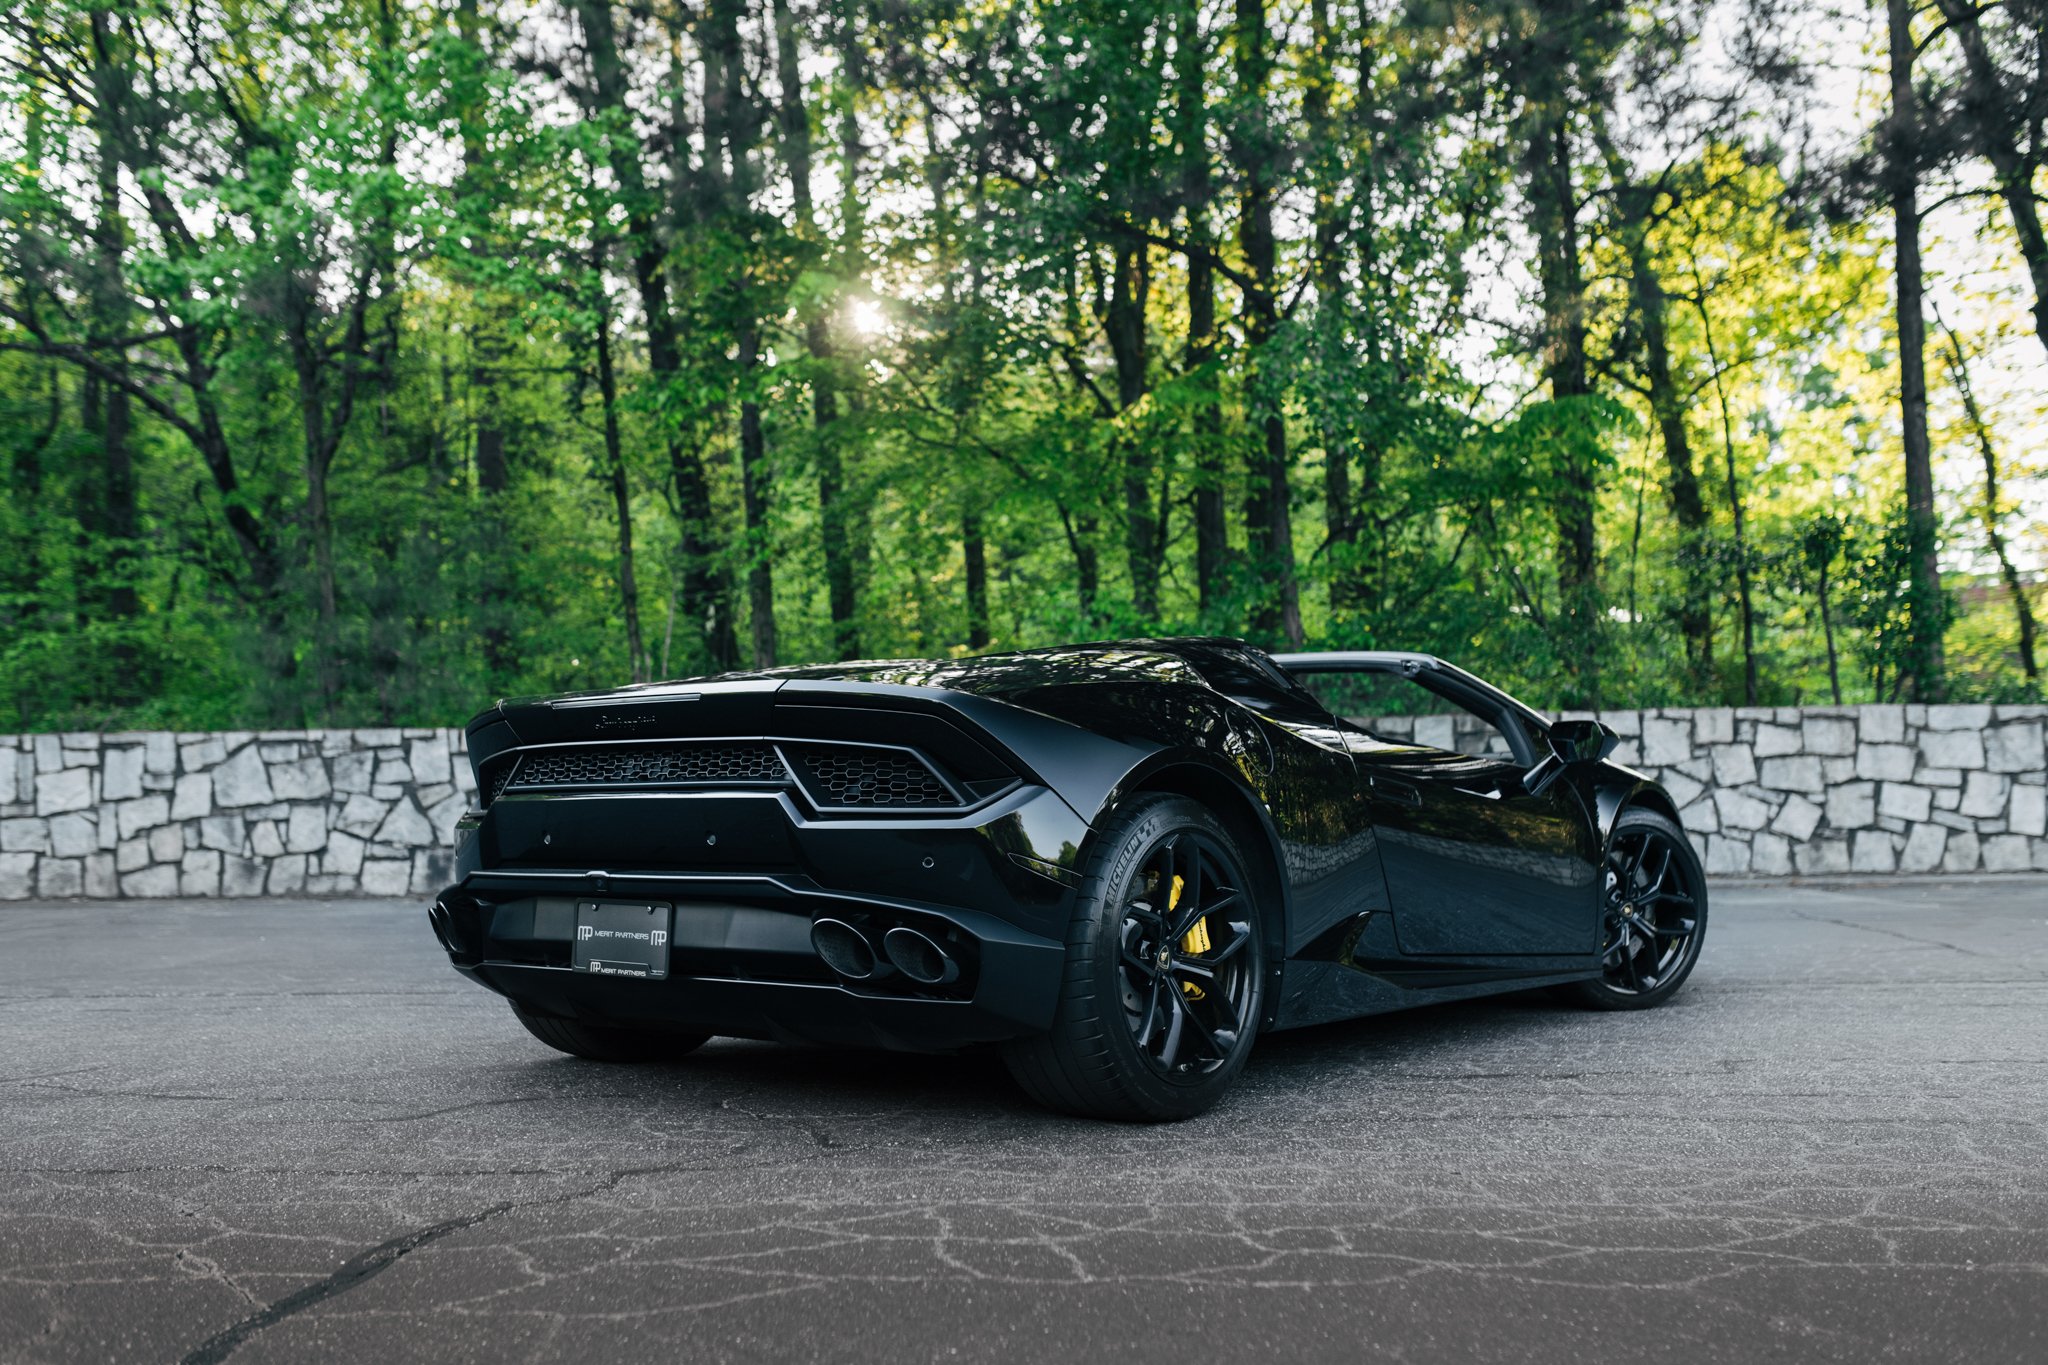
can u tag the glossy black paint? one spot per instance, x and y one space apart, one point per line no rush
1386 874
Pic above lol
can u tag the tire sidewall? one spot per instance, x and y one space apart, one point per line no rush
1099 925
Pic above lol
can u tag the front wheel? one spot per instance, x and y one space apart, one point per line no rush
1653 914
1165 972
595 1043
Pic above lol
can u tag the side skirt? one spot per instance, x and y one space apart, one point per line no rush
1350 973
1324 992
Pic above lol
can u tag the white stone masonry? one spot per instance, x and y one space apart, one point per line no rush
1763 791
297 812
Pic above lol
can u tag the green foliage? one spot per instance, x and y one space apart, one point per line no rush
402 325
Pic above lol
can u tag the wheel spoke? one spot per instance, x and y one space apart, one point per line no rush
1169 1052
1240 934
1682 930
1628 879
1225 1011
1220 1041
1656 886
1151 1019
1169 868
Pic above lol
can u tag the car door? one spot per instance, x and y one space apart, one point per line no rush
1476 865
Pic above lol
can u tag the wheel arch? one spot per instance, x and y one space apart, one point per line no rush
1247 820
1636 793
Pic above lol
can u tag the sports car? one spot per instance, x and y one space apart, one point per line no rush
1116 864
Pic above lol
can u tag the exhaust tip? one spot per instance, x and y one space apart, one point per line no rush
918 958
844 949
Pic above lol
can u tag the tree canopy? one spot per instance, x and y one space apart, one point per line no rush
362 360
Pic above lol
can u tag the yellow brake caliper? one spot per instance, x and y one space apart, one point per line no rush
1195 942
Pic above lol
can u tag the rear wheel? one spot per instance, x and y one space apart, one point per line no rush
1165 972
597 1043
1653 914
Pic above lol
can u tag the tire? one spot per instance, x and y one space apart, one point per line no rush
595 1043
1130 1040
1653 915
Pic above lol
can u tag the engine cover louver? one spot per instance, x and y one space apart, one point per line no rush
747 762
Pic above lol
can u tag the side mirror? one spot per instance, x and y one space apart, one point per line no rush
1582 741
1571 742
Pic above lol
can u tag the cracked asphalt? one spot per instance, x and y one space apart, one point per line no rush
287 1132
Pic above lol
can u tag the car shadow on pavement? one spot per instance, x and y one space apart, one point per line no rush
975 1084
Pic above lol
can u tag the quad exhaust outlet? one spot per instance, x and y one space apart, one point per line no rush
919 958
844 948
854 956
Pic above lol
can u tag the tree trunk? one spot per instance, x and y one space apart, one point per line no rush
1087 563
975 551
1270 510
1985 101
754 495
1921 666
1130 288
1212 544
1553 202
622 498
1336 365
794 124
315 433
487 431
117 522
1745 586
1827 630
730 122
1682 485
1959 374
852 268
706 597
135 145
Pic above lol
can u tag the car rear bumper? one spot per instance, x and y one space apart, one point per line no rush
993 889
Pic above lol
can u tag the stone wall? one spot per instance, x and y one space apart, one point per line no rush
1778 791
1763 791
281 813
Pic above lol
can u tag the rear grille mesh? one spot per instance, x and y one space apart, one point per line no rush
835 776
627 765
852 775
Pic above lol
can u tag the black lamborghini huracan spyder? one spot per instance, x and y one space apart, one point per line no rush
1118 863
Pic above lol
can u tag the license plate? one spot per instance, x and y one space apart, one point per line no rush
622 938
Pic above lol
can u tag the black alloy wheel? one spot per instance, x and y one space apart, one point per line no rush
1653 913
1165 972
1186 946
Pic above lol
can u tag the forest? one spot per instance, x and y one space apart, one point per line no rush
364 360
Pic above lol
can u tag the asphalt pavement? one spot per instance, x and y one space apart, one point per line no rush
287 1132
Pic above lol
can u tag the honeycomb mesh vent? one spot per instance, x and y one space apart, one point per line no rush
633 765
849 775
